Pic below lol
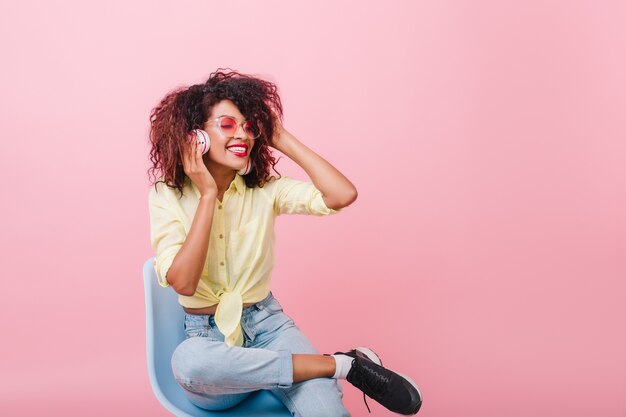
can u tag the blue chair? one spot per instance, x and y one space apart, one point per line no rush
164 331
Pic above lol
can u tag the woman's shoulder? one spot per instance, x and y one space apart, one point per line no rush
162 190
160 187
279 181
273 184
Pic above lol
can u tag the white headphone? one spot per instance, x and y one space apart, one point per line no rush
205 143
203 139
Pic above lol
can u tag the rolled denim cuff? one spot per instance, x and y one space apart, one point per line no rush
285 369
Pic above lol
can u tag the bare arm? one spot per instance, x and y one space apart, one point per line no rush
337 190
188 264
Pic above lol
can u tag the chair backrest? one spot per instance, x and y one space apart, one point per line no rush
164 331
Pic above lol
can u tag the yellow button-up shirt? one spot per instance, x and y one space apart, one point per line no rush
240 257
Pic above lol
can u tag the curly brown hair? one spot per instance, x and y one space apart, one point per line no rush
188 108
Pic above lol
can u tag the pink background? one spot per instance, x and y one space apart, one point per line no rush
484 256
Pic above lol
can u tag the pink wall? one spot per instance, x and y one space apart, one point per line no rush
484 256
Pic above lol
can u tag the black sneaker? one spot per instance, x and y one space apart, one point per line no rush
397 393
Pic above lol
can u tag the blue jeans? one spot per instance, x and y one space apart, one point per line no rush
216 377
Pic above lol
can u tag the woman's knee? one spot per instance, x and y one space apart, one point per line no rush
194 360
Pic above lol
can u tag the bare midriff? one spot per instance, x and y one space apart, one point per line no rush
209 310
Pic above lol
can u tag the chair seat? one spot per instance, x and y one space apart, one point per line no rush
164 331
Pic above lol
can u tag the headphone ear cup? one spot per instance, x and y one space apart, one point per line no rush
246 170
202 137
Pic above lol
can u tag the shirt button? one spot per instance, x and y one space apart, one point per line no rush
221 236
219 207
222 263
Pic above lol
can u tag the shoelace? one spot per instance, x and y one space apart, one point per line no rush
380 384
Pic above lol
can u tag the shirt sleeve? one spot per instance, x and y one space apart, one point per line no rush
167 233
299 197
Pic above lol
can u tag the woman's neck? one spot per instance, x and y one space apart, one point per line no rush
223 177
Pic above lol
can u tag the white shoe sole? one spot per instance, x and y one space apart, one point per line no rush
370 354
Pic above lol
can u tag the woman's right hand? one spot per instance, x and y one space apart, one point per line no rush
195 169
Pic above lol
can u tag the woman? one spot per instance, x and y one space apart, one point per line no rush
212 217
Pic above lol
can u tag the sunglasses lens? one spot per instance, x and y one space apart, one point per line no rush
252 129
228 126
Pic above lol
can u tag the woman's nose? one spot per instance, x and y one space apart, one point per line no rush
240 132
